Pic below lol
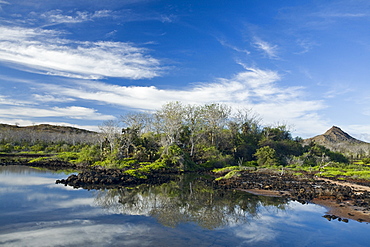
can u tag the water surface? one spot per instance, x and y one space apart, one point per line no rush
186 212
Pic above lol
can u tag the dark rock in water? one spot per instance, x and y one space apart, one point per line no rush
327 216
109 178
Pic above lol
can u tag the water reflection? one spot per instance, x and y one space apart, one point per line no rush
188 211
187 198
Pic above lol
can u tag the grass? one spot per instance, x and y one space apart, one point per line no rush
355 170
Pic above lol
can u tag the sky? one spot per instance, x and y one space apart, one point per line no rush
302 63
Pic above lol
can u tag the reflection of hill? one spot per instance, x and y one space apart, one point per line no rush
186 199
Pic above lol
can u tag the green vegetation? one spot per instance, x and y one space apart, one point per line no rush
181 137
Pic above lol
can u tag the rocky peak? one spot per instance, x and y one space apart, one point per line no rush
336 134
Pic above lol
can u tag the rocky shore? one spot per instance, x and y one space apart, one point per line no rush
344 201
100 178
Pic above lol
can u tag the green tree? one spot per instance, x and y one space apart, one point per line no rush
266 156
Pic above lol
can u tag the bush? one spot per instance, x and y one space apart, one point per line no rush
266 156
89 154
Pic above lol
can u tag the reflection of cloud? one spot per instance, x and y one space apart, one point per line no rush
75 233
25 181
265 227
43 196
10 190
256 232
75 203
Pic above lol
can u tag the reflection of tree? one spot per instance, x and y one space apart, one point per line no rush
186 199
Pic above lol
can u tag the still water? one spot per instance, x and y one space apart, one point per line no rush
34 211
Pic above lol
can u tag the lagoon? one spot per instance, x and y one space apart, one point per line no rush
188 211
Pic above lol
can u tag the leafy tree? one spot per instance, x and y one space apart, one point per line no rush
266 156
169 122
215 117
110 132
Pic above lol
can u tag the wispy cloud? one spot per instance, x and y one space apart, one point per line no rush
58 16
305 45
253 88
267 48
42 51
337 89
49 98
73 112
2 2
6 100
235 48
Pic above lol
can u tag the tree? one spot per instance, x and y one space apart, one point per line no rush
194 124
266 156
135 125
110 132
215 117
169 122
141 121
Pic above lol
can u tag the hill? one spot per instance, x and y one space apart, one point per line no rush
337 140
47 128
46 133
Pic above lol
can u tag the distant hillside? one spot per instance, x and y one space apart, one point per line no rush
47 133
48 128
337 140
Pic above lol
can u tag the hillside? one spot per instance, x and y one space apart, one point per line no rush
337 140
47 128
46 133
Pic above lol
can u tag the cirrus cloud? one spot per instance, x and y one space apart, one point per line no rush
43 51
74 112
252 88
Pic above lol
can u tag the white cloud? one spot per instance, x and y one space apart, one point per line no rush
360 132
269 49
338 89
42 51
3 2
305 45
57 16
74 112
237 49
48 98
5 100
252 88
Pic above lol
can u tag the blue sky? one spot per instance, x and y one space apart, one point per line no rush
79 63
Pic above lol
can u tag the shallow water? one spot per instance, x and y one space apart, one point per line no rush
34 211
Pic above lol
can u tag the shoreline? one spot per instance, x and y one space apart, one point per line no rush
340 211
342 199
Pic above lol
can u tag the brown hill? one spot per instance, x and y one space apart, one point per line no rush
337 140
48 128
46 133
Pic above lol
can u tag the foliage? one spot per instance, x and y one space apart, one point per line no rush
366 160
182 138
266 156
89 154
